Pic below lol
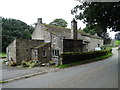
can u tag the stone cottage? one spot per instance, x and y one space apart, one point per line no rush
48 42
23 49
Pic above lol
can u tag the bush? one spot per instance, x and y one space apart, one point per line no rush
69 57
31 63
12 63
84 61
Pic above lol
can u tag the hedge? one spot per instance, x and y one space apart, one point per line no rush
69 57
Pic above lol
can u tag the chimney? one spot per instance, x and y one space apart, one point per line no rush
39 21
74 29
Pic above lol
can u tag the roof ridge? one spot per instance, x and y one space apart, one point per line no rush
56 26
83 33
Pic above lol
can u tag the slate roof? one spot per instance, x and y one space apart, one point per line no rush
61 31
41 45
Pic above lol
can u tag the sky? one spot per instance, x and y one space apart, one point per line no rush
29 10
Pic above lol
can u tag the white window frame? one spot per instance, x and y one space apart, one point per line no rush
55 52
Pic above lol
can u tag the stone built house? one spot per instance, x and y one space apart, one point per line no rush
48 42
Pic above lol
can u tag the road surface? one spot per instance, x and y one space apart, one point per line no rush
100 74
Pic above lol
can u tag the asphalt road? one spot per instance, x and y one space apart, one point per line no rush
13 72
100 74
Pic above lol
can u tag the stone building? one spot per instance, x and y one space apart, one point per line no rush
23 49
65 39
53 41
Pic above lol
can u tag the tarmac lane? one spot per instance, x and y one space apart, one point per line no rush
100 74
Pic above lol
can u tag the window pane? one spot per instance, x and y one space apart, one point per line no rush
44 53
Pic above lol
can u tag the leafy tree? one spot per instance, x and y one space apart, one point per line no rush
90 30
99 16
94 29
103 14
117 36
12 29
59 22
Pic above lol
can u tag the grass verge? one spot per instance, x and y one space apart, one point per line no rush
85 61
2 54
1 82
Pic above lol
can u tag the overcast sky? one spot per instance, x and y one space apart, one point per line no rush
29 10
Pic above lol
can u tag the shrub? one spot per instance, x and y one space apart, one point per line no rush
12 63
51 62
69 57
23 63
31 63
84 61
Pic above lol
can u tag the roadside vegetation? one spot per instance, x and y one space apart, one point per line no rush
85 61
89 57
68 59
2 54
117 42
24 63
1 82
30 64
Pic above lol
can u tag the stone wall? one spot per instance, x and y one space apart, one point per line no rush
94 43
57 43
40 33
11 51
23 49
47 57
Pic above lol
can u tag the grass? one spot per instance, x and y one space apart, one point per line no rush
2 54
1 82
117 42
85 61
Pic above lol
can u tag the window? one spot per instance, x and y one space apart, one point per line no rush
36 53
55 52
52 52
44 53
27 50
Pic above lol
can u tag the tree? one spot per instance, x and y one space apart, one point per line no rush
94 29
101 14
117 36
12 29
90 30
59 22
